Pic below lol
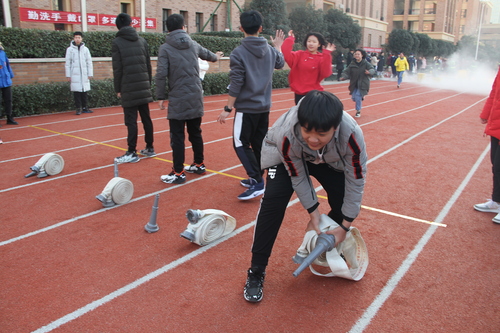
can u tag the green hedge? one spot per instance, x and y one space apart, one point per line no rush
38 98
35 43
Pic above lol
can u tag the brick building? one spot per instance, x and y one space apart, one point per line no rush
369 15
209 15
440 19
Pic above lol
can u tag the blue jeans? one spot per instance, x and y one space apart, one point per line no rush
357 98
400 77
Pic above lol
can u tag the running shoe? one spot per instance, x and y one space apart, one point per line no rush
254 285
253 191
128 157
489 206
196 168
174 178
148 152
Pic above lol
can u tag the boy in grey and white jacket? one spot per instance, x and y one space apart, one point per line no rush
315 138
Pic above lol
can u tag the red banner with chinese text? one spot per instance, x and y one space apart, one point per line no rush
52 16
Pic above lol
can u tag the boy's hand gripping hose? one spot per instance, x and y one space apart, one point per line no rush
325 242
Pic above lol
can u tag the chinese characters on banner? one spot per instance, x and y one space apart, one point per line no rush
52 16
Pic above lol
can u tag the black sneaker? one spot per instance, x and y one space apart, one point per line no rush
254 285
148 152
174 178
196 168
85 110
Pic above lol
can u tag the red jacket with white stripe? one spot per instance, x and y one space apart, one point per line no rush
491 110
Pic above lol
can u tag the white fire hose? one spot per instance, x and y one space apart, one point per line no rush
206 226
348 260
118 191
49 164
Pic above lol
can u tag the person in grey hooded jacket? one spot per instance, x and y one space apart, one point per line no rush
252 66
132 77
316 138
178 62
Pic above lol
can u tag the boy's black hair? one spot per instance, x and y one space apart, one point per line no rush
77 33
321 40
363 52
123 20
251 21
175 22
320 111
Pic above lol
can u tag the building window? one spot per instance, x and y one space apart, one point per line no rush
165 14
430 7
185 15
127 7
414 8
413 26
428 26
397 25
213 23
369 40
399 7
464 13
199 22
58 5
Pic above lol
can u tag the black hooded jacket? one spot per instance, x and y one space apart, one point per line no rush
131 67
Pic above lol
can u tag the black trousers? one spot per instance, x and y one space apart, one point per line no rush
130 114
276 198
80 99
298 98
177 138
249 131
7 101
495 161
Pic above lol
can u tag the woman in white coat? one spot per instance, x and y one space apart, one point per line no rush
79 71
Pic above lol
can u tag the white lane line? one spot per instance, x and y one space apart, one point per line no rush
391 285
359 326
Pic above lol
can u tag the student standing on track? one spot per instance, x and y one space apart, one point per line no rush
6 75
178 61
315 138
308 67
252 66
359 73
491 117
79 71
132 81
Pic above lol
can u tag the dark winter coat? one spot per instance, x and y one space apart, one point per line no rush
131 67
355 72
381 63
178 62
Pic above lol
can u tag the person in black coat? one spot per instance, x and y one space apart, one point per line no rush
132 82
339 62
380 65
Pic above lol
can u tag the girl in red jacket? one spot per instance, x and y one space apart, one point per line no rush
308 67
491 117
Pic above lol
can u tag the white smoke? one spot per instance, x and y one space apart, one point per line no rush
462 74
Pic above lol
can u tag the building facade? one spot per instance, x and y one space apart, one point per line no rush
447 20
206 15
370 15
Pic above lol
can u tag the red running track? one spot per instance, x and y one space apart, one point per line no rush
70 265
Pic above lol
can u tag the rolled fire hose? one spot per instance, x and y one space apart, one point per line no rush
348 260
118 191
49 164
208 225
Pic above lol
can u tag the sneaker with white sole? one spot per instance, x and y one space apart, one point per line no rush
174 178
489 206
128 157
247 182
253 191
148 152
496 219
358 114
253 291
196 168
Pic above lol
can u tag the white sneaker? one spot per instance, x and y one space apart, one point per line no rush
496 219
489 206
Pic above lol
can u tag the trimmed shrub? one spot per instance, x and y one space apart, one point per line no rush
39 98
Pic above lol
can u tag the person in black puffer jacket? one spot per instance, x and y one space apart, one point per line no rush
132 83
